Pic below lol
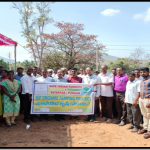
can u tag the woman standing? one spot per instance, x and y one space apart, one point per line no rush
3 77
11 88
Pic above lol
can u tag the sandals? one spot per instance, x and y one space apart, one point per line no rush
142 131
15 124
8 125
147 135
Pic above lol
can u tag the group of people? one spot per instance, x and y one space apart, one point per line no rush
118 93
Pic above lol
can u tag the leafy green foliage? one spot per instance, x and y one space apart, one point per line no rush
4 64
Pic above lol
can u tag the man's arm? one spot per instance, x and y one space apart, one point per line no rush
80 80
67 79
136 99
125 94
98 89
109 83
138 94
25 87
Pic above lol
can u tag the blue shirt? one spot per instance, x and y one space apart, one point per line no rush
60 80
17 77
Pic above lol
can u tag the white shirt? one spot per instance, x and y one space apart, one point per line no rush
65 76
91 80
37 75
47 79
82 76
54 75
132 89
140 78
107 90
27 84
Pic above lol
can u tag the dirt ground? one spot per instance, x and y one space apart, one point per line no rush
70 133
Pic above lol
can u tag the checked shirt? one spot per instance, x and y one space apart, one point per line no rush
145 88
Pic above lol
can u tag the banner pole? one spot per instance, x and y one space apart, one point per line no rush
15 57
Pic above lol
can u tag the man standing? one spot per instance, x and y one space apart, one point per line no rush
18 76
60 78
55 72
90 78
82 73
44 78
27 88
64 73
120 87
137 75
114 109
74 79
35 74
50 72
140 78
113 71
144 101
69 72
107 79
133 109
39 70
96 73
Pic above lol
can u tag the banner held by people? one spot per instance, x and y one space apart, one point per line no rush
63 98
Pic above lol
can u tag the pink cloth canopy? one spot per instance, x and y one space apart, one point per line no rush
5 41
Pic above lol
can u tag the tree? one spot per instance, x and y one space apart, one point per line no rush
53 59
4 64
33 26
24 64
134 61
122 62
76 48
136 57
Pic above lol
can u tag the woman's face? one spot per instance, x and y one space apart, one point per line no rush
11 76
3 74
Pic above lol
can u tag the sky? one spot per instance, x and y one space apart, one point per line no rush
121 26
